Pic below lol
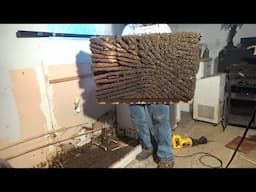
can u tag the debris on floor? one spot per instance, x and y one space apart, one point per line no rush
202 156
93 156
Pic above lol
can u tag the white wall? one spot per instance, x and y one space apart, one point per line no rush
37 53
214 36
14 54
61 51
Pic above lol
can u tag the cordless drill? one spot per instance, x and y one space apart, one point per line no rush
178 142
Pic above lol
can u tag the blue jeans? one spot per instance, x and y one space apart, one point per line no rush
160 117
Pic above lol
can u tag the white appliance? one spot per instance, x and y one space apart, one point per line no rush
209 98
207 68
125 126
201 73
210 68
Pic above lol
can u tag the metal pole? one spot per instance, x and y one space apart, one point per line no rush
36 34
44 134
31 150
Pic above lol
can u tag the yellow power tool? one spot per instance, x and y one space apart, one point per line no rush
178 142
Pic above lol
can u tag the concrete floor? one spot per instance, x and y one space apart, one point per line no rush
216 146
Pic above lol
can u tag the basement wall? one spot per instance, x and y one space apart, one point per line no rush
31 101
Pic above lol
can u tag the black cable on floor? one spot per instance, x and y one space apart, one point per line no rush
204 154
243 137
220 161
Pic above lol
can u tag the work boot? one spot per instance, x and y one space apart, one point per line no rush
146 153
166 164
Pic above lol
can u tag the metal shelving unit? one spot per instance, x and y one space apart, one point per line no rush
240 95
